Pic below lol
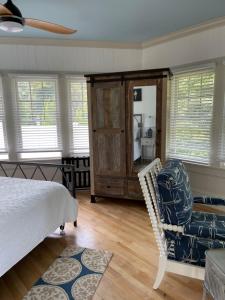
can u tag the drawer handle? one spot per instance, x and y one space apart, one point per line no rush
122 131
108 186
94 130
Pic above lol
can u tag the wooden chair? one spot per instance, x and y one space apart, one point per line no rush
181 233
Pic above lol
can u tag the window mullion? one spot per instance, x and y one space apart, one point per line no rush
8 96
64 115
218 112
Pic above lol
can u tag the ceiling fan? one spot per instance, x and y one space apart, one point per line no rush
11 20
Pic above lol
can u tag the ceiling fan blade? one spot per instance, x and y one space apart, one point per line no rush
4 11
51 27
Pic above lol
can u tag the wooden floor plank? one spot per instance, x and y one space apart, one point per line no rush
120 226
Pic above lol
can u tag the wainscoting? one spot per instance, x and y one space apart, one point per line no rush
207 180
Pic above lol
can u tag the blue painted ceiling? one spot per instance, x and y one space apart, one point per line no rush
118 20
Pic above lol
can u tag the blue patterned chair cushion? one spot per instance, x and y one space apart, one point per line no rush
202 230
189 249
206 225
175 196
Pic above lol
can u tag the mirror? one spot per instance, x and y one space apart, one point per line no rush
144 124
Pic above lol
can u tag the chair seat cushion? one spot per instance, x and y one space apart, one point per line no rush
175 196
206 225
209 200
189 249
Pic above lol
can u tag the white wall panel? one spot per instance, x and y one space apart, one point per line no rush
207 180
68 59
205 45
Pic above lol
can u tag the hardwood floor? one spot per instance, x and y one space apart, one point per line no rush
120 226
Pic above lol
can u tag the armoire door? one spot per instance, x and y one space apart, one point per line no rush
108 126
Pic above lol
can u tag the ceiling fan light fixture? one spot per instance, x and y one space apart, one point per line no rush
11 23
11 26
11 20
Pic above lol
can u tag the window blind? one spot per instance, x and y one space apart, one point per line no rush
37 116
191 115
78 111
3 140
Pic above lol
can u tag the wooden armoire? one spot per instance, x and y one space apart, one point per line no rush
111 129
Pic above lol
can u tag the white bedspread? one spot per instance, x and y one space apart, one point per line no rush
29 211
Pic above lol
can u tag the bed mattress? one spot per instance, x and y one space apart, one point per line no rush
29 211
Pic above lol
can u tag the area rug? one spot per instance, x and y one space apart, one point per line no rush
74 275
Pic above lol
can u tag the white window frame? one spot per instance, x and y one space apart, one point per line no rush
72 147
38 154
4 152
218 117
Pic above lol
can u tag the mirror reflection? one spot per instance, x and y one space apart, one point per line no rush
144 124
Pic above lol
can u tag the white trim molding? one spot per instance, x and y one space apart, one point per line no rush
68 43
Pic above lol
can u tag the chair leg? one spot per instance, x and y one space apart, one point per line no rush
93 199
62 227
204 295
161 272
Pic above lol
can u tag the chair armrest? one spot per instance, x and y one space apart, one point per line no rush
209 200
171 227
214 230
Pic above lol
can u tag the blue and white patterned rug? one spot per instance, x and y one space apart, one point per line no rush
74 275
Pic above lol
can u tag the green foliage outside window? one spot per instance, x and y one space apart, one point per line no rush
37 102
79 103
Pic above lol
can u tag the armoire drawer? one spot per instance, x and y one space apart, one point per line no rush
109 186
134 189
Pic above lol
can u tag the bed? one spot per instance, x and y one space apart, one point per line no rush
30 210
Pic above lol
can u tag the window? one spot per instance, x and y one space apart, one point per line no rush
37 117
78 110
42 124
3 141
191 115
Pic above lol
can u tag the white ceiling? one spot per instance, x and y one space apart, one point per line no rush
118 20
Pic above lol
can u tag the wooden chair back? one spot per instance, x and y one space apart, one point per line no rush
147 179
